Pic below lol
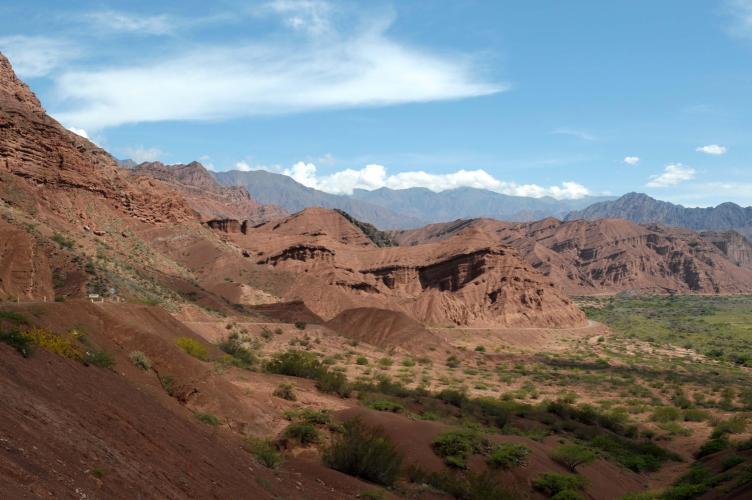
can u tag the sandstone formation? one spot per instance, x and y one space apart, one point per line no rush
202 192
465 281
608 256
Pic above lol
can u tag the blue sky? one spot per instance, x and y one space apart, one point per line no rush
532 98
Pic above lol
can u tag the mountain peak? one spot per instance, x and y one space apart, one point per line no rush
11 86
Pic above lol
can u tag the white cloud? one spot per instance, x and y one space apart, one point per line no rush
375 176
632 160
35 56
311 16
673 174
580 134
712 149
363 67
140 154
79 131
123 22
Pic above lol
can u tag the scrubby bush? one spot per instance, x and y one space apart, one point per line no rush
302 432
552 483
98 358
285 391
452 361
455 446
572 455
265 452
666 414
364 452
140 360
207 418
731 461
508 456
193 348
64 345
712 446
734 425
386 362
240 356
168 383
18 341
295 363
333 383
300 325
386 405
315 417
362 360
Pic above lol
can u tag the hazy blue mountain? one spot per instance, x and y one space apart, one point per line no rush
643 209
401 208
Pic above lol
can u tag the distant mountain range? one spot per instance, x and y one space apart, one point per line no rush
643 209
402 208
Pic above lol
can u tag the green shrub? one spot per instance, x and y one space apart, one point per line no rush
386 362
17 319
300 325
666 414
508 456
734 425
386 405
362 360
98 358
302 432
295 363
168 384
455 446
18 341
285 391
207 418
265 452
364 452
62 241
712 446
452 361
695 415
140 360
240 356
192 347
453 397
572 455
552 483
315 417
480 348
731 461
333 383
408 362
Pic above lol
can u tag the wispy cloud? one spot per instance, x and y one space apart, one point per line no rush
580 134
672 174
35 56
375 176
123 22
712 149
632 160
341 69
140 154
311 16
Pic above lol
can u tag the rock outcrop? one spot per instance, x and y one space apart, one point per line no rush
463 281
206 196
612 255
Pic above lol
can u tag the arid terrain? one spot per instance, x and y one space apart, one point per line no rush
166 336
